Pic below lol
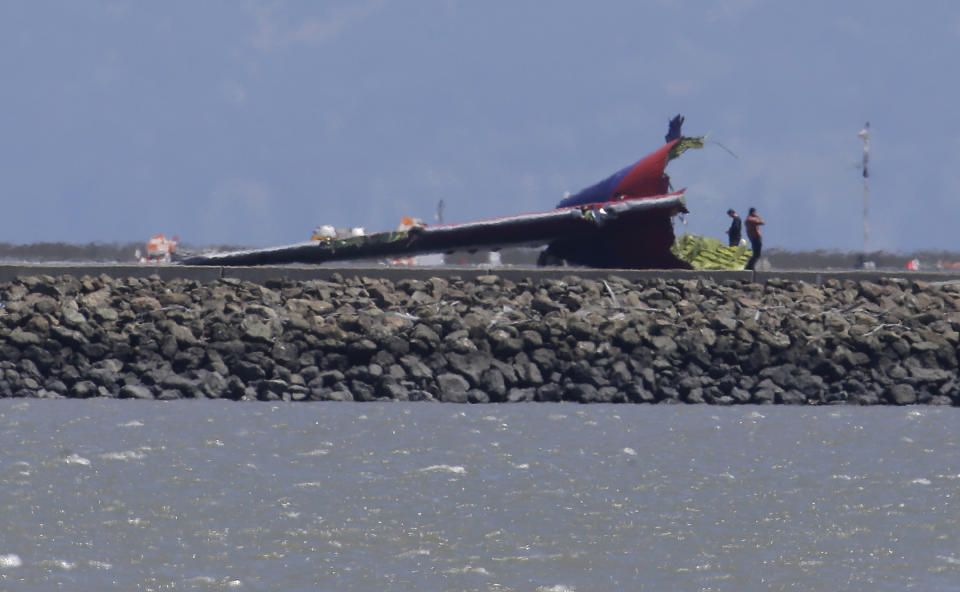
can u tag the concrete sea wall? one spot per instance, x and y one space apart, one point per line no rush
481 337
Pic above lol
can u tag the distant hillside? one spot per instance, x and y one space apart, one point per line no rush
88 253
822 259
52 252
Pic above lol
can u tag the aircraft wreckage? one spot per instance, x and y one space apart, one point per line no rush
624 222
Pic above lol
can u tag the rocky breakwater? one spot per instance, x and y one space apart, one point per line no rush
488 340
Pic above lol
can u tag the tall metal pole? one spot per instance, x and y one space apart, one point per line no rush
865 135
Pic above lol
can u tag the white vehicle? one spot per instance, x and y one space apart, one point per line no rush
159 249
326 232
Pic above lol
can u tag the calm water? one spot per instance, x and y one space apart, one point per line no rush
202 495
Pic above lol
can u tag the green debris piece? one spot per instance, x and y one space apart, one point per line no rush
709 253
685 144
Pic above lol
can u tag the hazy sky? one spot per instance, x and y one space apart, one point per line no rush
252 122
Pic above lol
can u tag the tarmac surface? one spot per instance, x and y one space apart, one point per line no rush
262 274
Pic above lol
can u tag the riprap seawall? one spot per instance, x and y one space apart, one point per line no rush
490 339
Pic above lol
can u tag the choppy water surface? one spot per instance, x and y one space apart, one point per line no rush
201 495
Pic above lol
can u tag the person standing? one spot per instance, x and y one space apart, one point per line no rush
754 222
733 233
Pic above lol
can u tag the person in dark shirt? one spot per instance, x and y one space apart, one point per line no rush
754 222
733 233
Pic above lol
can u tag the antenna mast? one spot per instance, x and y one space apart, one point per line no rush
865 136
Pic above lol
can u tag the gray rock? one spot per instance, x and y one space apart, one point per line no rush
518 395
694 395
549 392
286 353
84 389
934 375
638 393
135 391
415 367
504 344
369 374
338 395
425 334
545 358
664 345
766 392
507 371
492 383
362 391
22 338
724 323
471 365
902 394
169 395
528 373
360 351
256 329
453 388
420 395
393 390
459 342
791 397
611 394
213 385
543 304
740 395
477 396
248 371
56 386
188 387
